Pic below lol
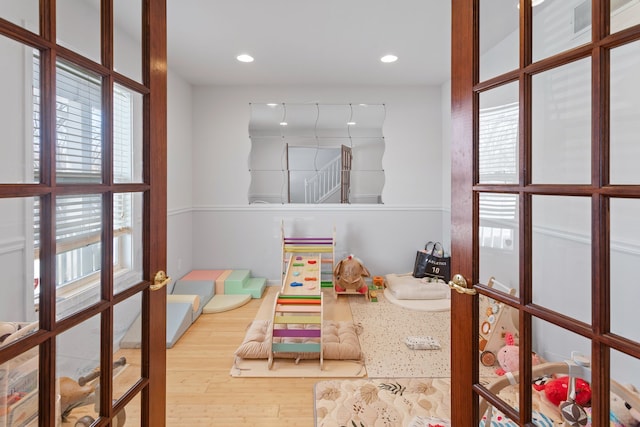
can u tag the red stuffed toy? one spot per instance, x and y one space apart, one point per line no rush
556 391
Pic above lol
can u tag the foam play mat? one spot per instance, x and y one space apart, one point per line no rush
220 303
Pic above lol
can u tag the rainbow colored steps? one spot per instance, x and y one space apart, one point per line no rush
298 319
230 282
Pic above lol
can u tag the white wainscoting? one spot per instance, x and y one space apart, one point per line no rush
248 237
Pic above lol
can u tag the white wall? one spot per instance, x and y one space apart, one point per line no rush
179 176
445 115
230 233
250 238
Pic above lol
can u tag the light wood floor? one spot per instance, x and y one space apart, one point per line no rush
200 391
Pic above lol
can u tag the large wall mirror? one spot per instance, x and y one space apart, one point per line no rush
316 153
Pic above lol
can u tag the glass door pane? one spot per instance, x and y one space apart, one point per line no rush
78 370
561 249
499 37
624 251
19 86
78 27
127 135
78 124
21 12
19 391
624 14
19 262
559 25
127 34
499 135
625 114
127 241
79 253
561 125
127 342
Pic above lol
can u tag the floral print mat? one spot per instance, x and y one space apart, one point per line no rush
378 402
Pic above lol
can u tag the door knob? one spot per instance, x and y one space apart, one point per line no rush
160 281
459 284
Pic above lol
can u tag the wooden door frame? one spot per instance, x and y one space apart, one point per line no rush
464 337
155 155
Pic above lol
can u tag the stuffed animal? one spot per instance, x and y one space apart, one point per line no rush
509 356
349 274
556 391
621 412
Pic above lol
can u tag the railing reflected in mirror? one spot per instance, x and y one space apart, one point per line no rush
316 153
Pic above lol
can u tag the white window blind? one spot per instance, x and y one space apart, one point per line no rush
78 125
498 206
498 144
78 154
498 155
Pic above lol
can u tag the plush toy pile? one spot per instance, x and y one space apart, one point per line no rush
553 398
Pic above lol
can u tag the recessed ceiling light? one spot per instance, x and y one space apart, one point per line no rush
389 58
271 104
244 58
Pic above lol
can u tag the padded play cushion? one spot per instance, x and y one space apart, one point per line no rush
178 321
203 288
194 300
340 342
220 303
405 286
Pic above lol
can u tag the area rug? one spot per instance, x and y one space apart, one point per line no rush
337 309
389 402
385 328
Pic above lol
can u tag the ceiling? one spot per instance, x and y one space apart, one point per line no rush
309 42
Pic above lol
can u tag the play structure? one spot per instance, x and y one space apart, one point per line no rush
321 247
497 320
298 308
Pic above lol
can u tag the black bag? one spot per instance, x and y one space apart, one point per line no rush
431 262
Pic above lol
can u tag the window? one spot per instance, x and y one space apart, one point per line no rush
498 150
78 159
499 144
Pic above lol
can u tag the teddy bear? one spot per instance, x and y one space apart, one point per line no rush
349 274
